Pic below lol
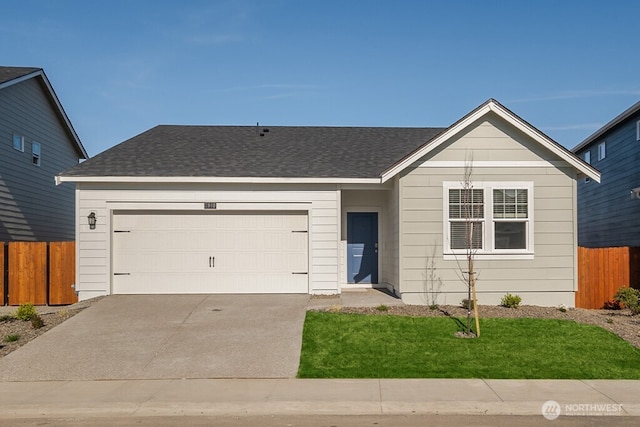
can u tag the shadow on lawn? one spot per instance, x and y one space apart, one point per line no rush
460 325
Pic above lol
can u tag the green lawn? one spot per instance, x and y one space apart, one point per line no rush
336 345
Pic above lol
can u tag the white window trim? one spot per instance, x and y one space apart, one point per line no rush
36 156
13 142
488 251
602 150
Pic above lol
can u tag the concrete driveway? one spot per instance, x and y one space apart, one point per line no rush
168 336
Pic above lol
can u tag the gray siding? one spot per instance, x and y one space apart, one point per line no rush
32 207
546 278
607 214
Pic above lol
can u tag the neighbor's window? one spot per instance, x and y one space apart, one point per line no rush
602 150
35 153
18 142
638 130
490 218
587 157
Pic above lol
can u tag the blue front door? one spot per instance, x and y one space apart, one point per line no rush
362 247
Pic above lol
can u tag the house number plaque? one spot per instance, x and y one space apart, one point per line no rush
210 205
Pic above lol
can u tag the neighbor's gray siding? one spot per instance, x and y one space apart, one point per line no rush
32 207
607 214
547 279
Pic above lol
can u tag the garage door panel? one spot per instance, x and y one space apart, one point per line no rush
174 252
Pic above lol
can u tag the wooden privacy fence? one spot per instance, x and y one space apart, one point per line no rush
37 272
602 271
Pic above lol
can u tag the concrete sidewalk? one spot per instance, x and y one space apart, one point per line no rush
208 397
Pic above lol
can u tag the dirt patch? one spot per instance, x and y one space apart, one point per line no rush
620 322
52 317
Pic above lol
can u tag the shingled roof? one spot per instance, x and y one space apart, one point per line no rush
257 152
11 73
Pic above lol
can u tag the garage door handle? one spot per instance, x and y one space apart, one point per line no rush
212 261
295 272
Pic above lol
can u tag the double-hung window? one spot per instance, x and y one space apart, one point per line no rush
602 150
35 153
18 142
492 218
466 218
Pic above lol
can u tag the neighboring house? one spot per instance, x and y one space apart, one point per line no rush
37 142
609 212
226 209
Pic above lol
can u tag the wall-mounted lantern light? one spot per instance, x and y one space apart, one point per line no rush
92 220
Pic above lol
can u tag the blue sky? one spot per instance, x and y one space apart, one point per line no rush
122 67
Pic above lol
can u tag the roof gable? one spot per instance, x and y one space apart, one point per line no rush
10 76
619 119
492 106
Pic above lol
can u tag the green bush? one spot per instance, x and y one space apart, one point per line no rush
11 338
37 322
26 311
467 304
510 301
382 307
630 298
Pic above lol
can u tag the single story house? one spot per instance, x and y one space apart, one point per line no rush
316 210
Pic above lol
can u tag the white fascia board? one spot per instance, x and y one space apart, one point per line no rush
574 161
449 133
210 179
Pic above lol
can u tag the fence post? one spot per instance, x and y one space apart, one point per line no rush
2 271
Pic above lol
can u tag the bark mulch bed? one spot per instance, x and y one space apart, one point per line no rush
51 315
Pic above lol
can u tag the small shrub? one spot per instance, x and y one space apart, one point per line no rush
37 322
612 305
382 307
11 338
510 301
336 308
6 318
433 307
630 298
26 311
467 304
609 320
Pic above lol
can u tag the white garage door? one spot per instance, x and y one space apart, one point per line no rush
209 252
